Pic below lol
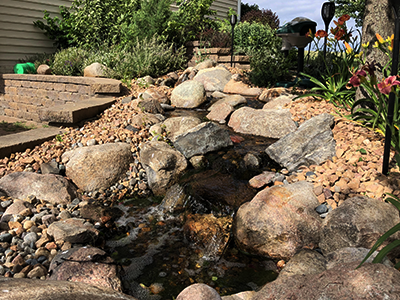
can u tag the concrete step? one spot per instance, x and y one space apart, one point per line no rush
75 112
19 142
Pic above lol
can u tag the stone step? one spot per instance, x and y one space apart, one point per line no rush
19 142
75 112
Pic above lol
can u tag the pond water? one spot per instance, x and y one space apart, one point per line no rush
160 251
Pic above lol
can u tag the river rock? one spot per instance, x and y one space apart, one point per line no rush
213 79
262 179
175 199
163 164
279 221
156 94
51 188
189 94
220 112
218 188
240 296
73 230
208 63
351 254
89 265
267 123
145 119
198 291
208 233
304 262
311 144
28 289
232 100
175 126
16 208
239 87
151 106
272 93
278 103
205 137
95 70
358 222
371 281
98 167
96 212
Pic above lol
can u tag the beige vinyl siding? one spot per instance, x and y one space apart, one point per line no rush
220 6
18 37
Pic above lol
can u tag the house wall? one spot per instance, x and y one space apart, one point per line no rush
19 38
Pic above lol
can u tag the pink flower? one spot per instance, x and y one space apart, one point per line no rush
386 85
355 80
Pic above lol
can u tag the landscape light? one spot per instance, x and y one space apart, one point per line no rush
327 12
233 21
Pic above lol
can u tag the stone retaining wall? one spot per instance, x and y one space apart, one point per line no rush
220 55
23 95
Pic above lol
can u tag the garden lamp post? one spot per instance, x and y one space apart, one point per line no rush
327 12
392 97
233 21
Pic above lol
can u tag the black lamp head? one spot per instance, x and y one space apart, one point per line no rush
328 11
233 20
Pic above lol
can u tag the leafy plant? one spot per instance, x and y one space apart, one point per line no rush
70 62
264 16
385 250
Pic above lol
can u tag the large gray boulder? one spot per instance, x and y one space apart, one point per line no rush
232 100
163 164
51 188
198 291
267 123
205 137
213 79
95 70
311 144
98 167
189 94
370 282
358 222
279 221
89 265
28 289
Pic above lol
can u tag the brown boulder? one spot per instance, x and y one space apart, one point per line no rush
198 291
238 87
73 230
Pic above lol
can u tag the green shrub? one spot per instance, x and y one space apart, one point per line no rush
70 61
251 37
39 59
264 16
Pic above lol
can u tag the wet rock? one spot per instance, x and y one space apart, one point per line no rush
28 289
279 221
240 296
189 94
278 103
213 79
73 230
371 281
311 144
96 212
175 126
351 254
358 222
238 87
268 123
270 94
89 265
205 137
86 166
219 188
174 200
262 180
163 164
198 291
303 263
220 112
198 161
208 63
95 70
51 188
232 100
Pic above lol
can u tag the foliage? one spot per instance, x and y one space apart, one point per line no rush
189 20
214 38
70 62
245 8
330 83
39 59
354 8
264 16
385 250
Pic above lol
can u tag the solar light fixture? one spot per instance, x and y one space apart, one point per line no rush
392 97
233 21
327 12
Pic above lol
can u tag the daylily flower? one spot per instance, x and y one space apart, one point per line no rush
355 80
370 68
380 39
321 34
385 87
348 48
390 40
343 19
365 46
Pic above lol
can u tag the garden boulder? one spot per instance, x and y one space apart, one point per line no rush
189 94
213 79
95 70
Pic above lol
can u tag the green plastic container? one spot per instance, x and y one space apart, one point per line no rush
26 68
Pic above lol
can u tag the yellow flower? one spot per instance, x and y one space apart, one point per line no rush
380 39
365 46
359 55
348 48
376 45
